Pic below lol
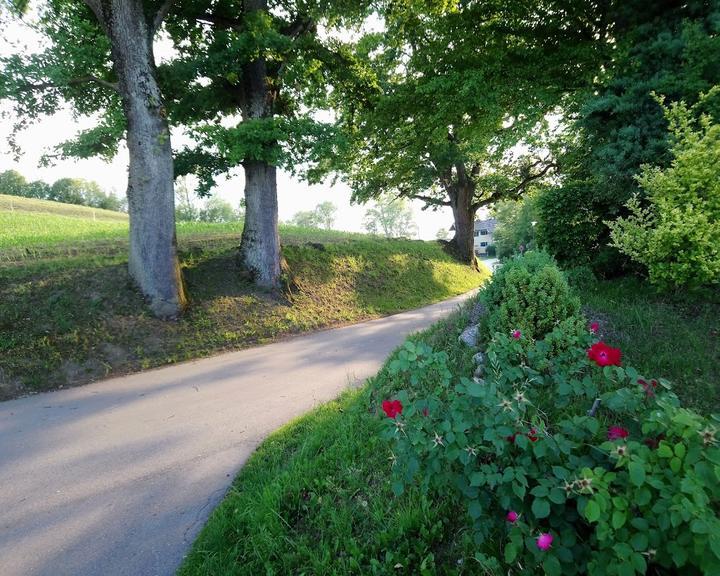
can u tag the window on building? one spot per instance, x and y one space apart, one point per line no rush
483 232
483 243
476 232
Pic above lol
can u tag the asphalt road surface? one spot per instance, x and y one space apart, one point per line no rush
118 477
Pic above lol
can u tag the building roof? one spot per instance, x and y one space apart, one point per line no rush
488 224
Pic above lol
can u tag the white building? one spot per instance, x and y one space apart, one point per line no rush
484 235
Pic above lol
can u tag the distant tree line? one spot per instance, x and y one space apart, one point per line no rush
322 216
67 190
215 209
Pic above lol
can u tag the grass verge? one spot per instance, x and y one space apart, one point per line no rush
315 498
68 321
676 336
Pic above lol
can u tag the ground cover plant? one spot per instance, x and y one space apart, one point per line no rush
676 334
70 320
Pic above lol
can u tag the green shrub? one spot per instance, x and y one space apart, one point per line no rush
677 236
580 277
533 298
530 261
521 440
558 440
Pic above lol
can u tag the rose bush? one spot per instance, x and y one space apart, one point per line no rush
568 464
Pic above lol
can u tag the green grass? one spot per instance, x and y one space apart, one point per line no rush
37 229
675 336
315 498
22 230
67 321
15 204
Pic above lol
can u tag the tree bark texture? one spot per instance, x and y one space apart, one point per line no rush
260 245
461 202
153 260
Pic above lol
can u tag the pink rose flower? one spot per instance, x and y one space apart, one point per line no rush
512 516
617 433
544 541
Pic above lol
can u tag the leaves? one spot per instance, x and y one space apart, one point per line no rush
592 511
637 473
541 508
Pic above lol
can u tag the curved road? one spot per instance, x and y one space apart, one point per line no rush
117 477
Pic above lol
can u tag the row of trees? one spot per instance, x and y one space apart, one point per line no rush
67 190
447 104
242 81
387 216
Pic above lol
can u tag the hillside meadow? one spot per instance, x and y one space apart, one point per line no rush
69 313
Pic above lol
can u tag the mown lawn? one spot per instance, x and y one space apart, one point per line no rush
28 233
67 321
676 336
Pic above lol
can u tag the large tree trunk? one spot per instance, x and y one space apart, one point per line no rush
461 198
260 244
153 261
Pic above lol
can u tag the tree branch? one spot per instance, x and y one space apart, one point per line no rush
298 27
160 15
532 177
220 22
520 187
97 9
431 200
72 82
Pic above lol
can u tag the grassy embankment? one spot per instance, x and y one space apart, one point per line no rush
67 320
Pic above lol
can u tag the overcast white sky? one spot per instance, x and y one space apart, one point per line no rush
293 195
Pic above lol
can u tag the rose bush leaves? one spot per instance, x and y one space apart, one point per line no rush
634 485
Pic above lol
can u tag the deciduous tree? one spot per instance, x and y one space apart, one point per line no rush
447 94
100 58
391 217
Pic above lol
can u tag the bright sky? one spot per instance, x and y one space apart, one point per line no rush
293 195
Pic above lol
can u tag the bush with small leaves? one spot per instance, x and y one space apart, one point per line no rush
534 298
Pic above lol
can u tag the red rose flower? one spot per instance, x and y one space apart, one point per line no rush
511 438
516 334
392 408
594 327
617 433
604 355
532 435
648 387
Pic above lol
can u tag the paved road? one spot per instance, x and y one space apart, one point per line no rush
117 477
